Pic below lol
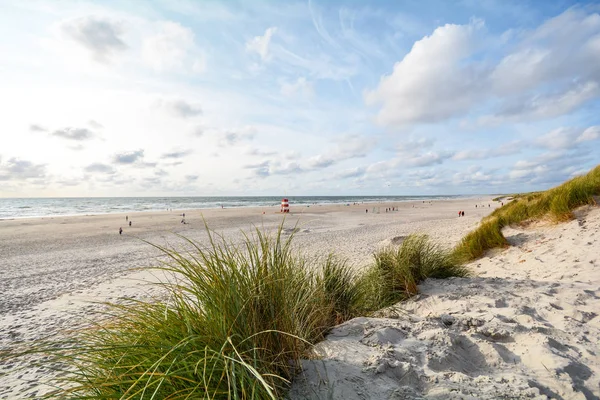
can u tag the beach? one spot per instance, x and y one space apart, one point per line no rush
523 327
54 269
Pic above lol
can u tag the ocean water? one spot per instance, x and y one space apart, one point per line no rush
45 207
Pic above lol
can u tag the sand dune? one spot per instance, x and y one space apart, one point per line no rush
526 327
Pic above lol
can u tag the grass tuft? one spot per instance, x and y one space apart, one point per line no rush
555 204
397 271
340 288
235 325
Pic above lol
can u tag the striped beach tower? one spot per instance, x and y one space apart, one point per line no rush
285 206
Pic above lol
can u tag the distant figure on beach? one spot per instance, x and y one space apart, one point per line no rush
129 223
367 210
459 213
126 218
475 205
463 213
120 231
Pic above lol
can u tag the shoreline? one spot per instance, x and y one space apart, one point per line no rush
375 201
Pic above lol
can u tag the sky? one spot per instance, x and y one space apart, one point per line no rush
211 98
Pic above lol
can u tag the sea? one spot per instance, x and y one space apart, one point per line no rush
48 207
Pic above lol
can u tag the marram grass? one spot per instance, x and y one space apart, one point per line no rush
555 204
235 322
397 271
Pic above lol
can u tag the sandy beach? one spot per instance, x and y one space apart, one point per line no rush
55 268
523 327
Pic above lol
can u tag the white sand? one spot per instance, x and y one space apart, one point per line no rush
526 327
54 268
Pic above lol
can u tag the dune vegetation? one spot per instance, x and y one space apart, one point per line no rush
396 272
555 205
236 321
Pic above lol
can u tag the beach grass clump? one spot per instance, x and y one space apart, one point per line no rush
396 272
487 236
556 204
235 324
340 289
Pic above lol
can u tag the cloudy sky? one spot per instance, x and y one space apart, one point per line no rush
181 97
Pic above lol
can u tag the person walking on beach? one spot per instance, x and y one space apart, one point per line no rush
129 223
120 231
459 213
126 218
463 213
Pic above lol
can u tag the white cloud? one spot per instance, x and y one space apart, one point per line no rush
426 159
181 108
347 147
16 169
300 87
100 168
432 82
37 128
129 157
560 48
543 106
567 137
559 138
78 134
350 173
550 71
591 133
482 154
550 168
173 48
260 44
414 145
95 124
395 166
254 151
101 37
231 137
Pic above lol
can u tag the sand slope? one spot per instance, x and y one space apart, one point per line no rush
526 327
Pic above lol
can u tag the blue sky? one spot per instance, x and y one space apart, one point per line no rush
309 97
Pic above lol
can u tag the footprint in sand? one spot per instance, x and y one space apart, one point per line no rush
461 356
